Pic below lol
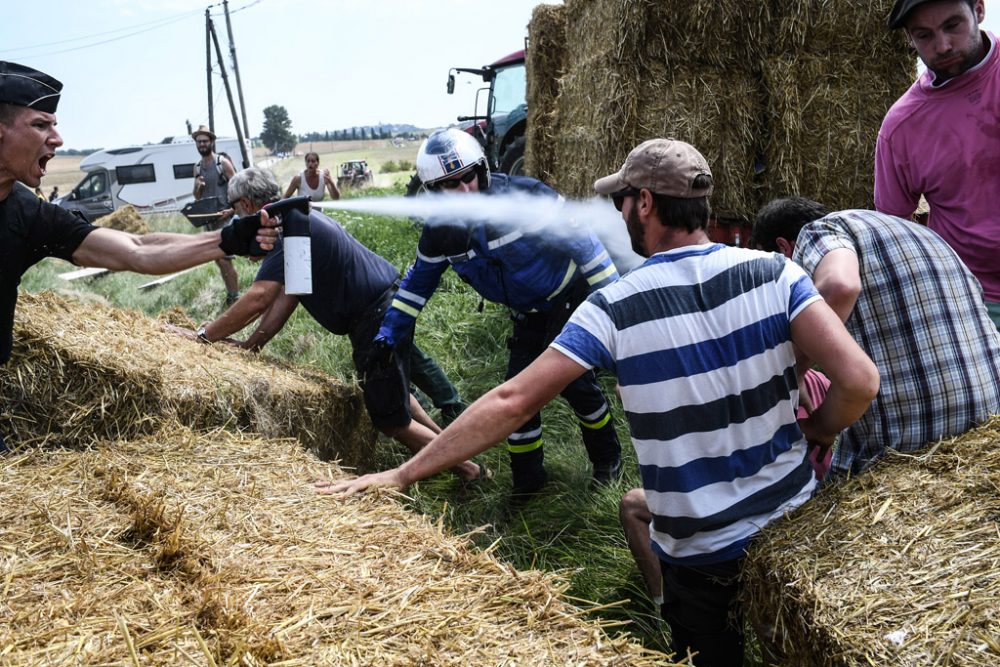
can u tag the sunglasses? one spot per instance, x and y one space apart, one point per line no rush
453 183
618 198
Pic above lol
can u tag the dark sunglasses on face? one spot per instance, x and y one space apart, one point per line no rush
453 183
619 197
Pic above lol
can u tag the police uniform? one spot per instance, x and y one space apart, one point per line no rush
30 229
542 279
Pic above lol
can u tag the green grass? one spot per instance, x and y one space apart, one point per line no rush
571 529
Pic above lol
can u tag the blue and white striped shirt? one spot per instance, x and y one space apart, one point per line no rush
700 339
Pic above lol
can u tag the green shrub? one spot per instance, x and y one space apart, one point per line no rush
405 165
388 167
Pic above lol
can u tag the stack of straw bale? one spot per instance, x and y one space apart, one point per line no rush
213 549
834 72
778 96
547 54
83 371
125 219
899 566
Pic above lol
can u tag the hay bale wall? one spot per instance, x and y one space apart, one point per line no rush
84 371
545 63
213 549
771 92
899 566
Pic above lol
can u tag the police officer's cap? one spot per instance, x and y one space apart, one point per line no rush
26 87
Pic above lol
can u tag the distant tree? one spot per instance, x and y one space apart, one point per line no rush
354 133
277 133
326 136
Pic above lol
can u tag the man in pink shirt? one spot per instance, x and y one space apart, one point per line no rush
941 139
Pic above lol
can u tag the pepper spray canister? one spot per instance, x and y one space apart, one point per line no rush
297 242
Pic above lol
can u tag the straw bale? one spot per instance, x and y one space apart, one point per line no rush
718 33
592 26
125 219
213 549
714 110
84 371
545 63
835 28
824 114
898 566
596 108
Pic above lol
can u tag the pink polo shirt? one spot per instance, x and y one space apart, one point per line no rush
944 143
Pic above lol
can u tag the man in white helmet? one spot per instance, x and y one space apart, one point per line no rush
540 279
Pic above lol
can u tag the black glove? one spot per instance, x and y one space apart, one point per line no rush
379 362
240 237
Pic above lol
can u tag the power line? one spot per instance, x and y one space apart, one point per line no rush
157 22
152 25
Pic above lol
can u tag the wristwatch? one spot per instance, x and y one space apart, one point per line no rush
203 335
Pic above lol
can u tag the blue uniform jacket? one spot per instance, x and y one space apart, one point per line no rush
524 271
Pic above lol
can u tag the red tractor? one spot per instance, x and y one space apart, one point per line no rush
500 122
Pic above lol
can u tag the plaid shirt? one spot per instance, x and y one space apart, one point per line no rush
920 317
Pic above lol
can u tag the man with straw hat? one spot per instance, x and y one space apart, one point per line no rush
31 229
702 337
211 174
941 139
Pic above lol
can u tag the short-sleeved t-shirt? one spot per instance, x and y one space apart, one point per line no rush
347 277
30 230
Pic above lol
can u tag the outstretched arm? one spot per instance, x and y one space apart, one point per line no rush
254 302
486 422
164 252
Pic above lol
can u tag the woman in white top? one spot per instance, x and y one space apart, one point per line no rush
312 181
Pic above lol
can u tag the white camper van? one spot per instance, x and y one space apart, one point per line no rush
154 177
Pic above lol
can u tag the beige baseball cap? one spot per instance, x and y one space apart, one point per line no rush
663 166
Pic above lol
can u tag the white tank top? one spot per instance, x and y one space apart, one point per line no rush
304 189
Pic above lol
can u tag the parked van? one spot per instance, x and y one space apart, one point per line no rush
152 178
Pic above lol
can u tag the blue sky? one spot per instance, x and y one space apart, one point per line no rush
331 63
134 70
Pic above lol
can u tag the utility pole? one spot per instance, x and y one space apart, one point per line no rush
208 68
236 69
229 95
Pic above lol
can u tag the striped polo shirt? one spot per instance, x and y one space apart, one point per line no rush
700 340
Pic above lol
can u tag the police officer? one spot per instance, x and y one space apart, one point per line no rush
539 277
32 229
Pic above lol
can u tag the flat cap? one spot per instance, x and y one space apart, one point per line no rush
26 87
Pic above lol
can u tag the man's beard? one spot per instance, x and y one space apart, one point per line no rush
205 150
635 232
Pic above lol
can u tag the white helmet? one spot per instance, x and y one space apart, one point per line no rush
449 153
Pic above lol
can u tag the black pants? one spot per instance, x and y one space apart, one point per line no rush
531 335
700 604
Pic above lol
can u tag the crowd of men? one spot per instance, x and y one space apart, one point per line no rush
714 348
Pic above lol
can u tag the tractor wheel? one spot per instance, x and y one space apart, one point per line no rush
512 160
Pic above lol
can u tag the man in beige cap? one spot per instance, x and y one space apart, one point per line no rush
211 174
701 339
31 229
